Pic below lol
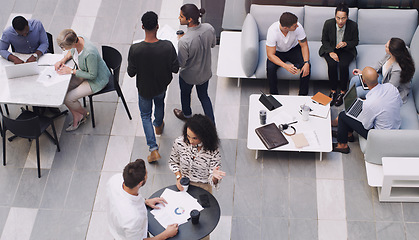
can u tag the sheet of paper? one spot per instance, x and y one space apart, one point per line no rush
49 77
178 207
312 138
49 59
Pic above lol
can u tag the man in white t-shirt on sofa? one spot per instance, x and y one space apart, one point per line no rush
287 41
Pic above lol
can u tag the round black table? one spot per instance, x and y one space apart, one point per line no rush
208 219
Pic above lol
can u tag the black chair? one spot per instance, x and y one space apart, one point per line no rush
50 44
29 125
113 59
6 108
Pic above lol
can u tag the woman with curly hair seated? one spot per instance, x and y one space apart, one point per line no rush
196 155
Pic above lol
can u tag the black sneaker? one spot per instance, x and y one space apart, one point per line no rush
339 99
332 95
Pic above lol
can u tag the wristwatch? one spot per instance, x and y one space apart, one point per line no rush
306 62
35 56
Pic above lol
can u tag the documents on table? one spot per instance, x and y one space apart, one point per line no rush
306 138
178 208
49 59
50 77
318 110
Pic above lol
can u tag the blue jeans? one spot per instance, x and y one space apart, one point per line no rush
202 91
359 89
146 107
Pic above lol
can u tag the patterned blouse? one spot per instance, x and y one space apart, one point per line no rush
197 166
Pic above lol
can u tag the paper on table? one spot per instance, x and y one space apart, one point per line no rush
318 109
50 77
49 59
312 138
177 209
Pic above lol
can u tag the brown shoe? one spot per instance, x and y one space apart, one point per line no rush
154 156
179 114
159 129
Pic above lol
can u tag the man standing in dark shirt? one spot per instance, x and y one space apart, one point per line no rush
153 61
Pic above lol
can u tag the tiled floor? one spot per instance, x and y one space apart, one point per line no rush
278 196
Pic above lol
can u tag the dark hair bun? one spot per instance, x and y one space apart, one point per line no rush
202 11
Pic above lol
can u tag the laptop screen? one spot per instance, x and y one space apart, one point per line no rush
350 97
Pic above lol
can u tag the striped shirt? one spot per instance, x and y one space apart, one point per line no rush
197 166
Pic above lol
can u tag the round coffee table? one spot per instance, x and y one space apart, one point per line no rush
208 219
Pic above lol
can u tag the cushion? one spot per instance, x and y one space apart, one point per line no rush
314 18
414 50
265 15
249 46
369 55
377 26
408 114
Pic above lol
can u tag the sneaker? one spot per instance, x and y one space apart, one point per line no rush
339 99
154 156
332 95
159 129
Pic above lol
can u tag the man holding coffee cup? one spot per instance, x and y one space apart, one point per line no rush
127 214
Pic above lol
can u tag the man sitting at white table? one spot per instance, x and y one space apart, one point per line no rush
127 214
28 37
380 110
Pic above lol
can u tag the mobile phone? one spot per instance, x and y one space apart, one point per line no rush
364 85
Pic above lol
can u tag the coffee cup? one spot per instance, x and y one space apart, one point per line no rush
262 117
195 216
305 112
184 181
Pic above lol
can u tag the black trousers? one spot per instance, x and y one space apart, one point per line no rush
345 58
346 125
294 56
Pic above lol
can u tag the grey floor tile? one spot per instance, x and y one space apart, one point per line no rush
140 150
9 181
276 164
274 228
102 29
67 157
92 153
24 6
386 211
243 119
246 164
224 195
104 115
30 189
275 197
46 224
412 231
303 198
108 8
390 230
16 151
162 180
46 7
354 164
302 229
128 15
302 165
361 230
165 149
74 224
67 8
358 201
4 213
247 195
228 151
411 212
46 21
82 191
56 188
245 228
251 86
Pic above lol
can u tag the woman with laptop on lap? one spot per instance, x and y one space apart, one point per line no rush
396 67
89 76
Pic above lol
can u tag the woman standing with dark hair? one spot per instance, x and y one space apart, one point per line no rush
194 54
196 155
397 67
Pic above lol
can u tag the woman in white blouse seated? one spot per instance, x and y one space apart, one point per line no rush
396 67
196 155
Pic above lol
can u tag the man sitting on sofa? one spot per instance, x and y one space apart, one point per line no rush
287 41
380 110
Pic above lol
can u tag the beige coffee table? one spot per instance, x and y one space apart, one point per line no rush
317 130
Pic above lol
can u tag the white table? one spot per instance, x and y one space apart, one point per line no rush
317 130
30 90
